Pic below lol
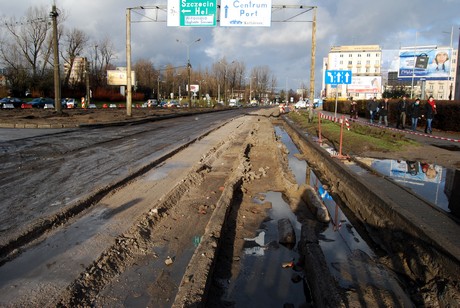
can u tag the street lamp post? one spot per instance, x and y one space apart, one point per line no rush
158 89
451 54
250 87
189 69
225 80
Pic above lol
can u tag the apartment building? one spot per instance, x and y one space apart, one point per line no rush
365 62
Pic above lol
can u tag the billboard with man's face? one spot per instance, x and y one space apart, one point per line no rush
428 63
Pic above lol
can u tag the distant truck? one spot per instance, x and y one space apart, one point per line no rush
301 104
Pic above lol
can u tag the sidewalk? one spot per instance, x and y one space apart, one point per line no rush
446 137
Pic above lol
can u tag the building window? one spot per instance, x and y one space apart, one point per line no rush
359 55
368 55
350 55
341 56
350 62
431 87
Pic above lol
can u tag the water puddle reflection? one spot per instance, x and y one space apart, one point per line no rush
267 277
339 239
434 183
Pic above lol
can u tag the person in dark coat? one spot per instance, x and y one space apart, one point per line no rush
401 108
383 111
430 111
372 107
415 113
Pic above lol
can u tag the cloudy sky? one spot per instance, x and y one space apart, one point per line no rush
285 46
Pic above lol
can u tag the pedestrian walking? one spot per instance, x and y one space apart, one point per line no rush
415 113
383 111
401 108
372 108
430 111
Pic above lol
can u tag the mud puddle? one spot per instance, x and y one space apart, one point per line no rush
268 277
339 239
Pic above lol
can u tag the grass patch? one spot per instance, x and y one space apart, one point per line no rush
359 139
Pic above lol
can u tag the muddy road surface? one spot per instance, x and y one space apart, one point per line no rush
198 211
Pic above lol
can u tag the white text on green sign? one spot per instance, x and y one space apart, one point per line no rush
195 13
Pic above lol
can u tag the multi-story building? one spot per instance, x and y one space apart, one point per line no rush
77 71
364 61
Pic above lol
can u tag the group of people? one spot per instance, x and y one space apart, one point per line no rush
404 109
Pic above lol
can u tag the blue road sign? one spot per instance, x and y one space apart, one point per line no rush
335 77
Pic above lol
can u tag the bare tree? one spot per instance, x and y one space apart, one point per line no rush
261 78
29 45
103 56
146 76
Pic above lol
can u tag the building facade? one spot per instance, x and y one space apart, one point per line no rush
365 62
77 71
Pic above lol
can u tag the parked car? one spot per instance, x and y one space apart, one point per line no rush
69 103
16 102
40 102
172 104
152 103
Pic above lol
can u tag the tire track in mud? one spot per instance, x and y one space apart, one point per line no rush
117 256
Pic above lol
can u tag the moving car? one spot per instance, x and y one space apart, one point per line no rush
301 105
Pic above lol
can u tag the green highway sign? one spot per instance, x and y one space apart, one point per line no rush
198 13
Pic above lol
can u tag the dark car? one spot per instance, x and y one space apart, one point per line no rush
40 102
16 102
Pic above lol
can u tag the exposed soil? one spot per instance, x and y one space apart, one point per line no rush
74 117
260 161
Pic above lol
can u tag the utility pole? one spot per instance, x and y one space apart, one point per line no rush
312 67
88 91
128 63
57 78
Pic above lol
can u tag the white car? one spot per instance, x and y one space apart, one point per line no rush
301 104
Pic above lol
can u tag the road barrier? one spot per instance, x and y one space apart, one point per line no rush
342 120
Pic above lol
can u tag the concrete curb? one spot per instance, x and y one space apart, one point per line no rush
401 220
147 119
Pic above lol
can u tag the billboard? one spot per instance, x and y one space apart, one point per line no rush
118 78
430 63
365 84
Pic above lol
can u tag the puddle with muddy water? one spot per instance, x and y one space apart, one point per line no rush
340 238
265 278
